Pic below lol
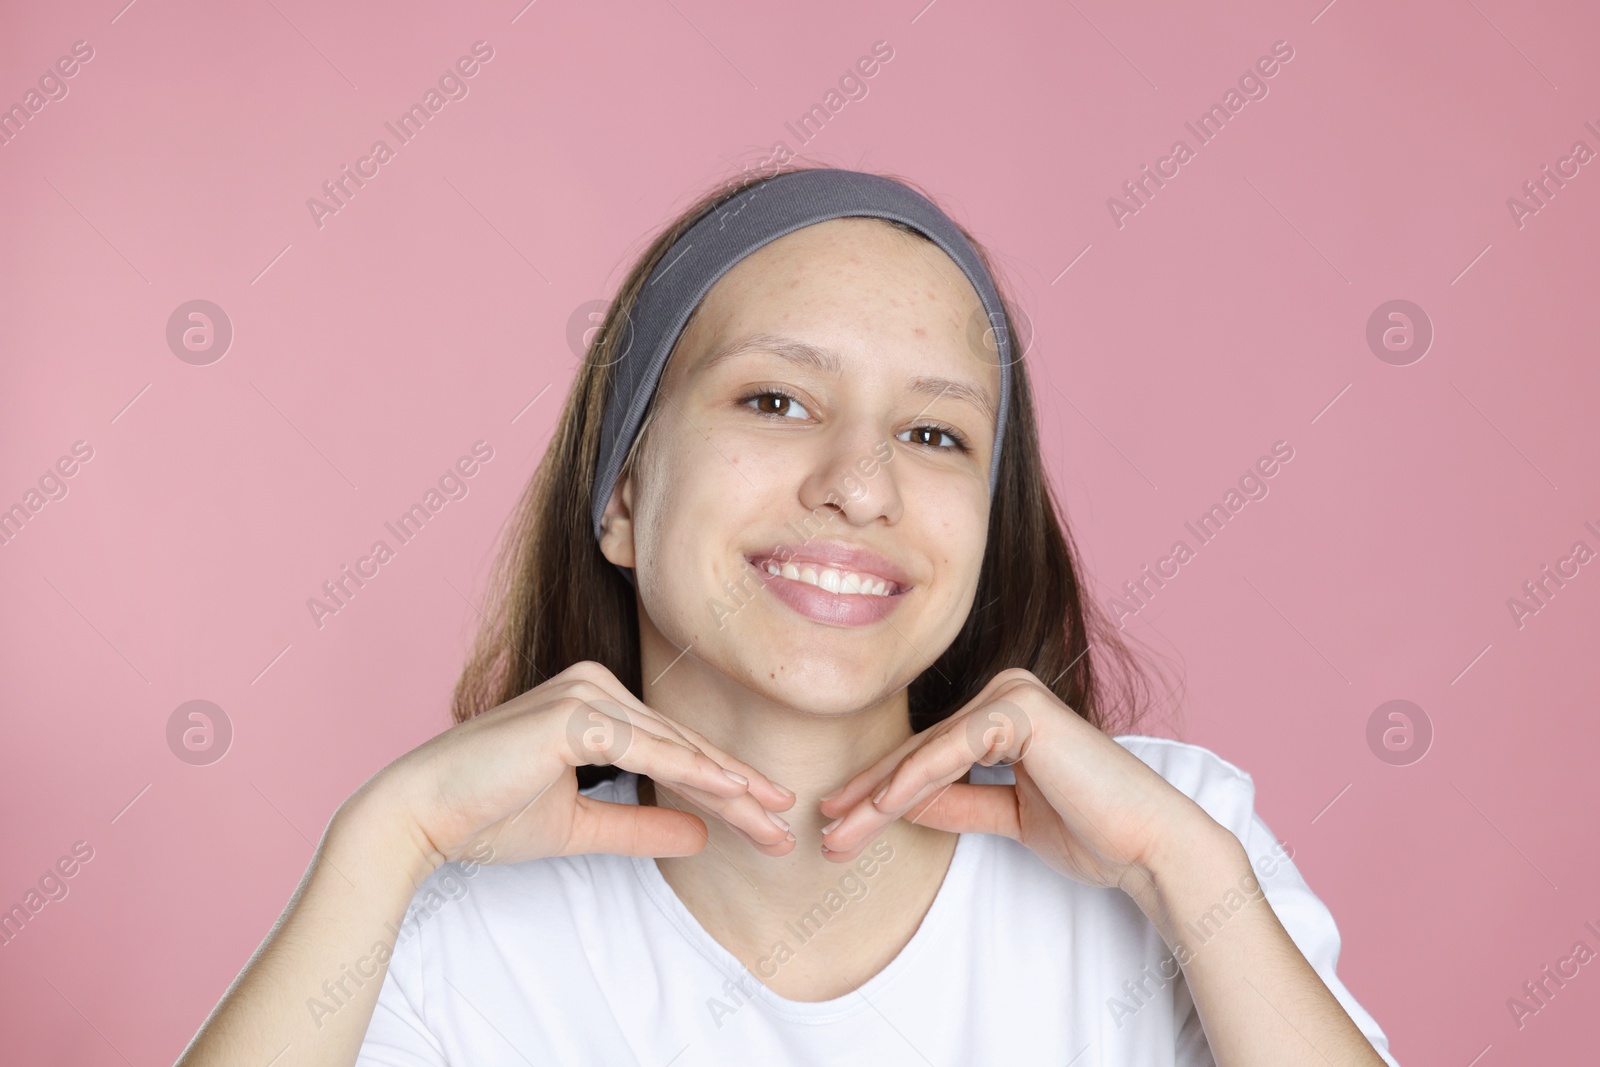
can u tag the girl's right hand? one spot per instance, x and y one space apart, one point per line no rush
507 778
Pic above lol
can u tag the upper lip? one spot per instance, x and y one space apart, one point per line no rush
840 555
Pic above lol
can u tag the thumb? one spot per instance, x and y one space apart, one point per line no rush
632 830
965 808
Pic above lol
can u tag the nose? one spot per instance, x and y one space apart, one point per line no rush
853 471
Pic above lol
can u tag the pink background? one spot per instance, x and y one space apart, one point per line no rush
434 308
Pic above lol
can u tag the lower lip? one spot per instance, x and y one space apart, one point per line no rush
819 605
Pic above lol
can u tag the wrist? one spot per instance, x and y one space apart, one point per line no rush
373 832
1191 872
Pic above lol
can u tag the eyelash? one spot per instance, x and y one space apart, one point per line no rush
961 443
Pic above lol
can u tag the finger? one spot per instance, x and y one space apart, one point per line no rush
729 800
862 824
770 794
990 732
673 764
630 830
605 741
764 829
940 761
965 808
864 782
932 768
958 807
767 792
992 727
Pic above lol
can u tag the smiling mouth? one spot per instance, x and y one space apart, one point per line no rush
831 579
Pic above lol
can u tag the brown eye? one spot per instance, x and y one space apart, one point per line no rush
775 403
928 435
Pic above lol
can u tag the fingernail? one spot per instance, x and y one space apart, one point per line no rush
882 789
832 824
785 790
833 794
781 824
791 836
741 779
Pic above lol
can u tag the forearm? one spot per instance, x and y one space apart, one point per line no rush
309 990
1260 1001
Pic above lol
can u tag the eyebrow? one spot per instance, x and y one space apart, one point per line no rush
828 361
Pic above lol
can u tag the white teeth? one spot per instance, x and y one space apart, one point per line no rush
832 580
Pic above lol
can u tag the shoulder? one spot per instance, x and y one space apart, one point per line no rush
1228 795
1223 790
1181 759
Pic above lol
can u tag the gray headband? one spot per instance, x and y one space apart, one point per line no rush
758 215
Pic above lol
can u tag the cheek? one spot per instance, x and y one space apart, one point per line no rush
688 510
956 518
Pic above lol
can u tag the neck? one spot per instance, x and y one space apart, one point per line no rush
750 901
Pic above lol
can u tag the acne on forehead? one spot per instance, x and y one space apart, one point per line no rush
838 248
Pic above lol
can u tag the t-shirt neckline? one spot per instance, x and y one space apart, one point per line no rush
944 911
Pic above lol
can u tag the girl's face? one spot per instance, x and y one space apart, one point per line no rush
828 404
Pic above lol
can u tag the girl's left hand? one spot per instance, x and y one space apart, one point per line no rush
1087 806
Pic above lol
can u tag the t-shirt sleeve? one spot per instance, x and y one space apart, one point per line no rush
397 1036
1228 795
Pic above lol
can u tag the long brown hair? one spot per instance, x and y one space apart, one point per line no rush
554 599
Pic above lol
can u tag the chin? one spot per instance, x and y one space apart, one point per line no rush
819 684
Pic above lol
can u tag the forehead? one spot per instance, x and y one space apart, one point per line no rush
846 284
889 259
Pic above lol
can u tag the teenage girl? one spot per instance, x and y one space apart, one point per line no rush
790 735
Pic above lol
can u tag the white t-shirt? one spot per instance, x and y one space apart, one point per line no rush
594 960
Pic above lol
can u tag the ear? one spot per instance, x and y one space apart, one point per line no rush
616 523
